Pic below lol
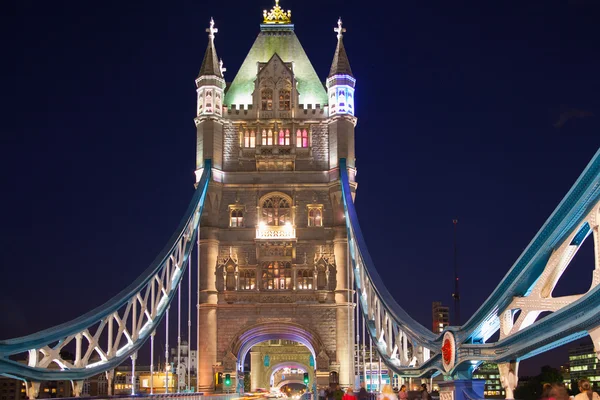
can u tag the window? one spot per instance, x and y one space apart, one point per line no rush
267 99
284 137
284 99
276 210
248 280
302 138
267 137
236 218
305 279
277 275
315 216
249 139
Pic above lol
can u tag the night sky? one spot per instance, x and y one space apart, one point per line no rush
482 111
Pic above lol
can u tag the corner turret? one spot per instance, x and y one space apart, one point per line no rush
210 83
340 82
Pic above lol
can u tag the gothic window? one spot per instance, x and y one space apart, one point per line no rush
236 217
301 138
322 277
267 99
305 279
230 278
276 210
284 137
208 101
267 137
333 378
248 280
315 215
276 275
249 139
284 99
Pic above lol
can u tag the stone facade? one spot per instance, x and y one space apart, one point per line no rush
272 258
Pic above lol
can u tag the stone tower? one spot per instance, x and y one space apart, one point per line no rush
273 249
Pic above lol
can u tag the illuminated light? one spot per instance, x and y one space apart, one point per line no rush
262 225
288 225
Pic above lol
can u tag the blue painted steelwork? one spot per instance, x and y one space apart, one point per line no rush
188 226
562 326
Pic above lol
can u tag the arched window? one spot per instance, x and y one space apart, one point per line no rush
284 99
267 99
267 137
287 138
304 280
248 280
333 378
249 139
276 210
315 216
208 101
281 140
276 275
302 138
236 218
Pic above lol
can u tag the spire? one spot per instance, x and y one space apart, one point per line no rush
340 64
210 63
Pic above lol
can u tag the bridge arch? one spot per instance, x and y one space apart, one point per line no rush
274 368
258 333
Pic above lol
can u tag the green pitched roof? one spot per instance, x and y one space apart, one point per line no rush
282 40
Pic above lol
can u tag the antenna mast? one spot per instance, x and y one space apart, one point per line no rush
456 293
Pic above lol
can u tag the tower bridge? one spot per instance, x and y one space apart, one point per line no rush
285 277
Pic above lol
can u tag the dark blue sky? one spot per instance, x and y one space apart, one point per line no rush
457 107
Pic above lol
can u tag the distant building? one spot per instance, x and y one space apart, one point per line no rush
440 316
583 363
493 388
181 362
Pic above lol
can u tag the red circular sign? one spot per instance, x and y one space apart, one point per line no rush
447 351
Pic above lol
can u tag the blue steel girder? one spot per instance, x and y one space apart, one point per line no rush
568 322
129 317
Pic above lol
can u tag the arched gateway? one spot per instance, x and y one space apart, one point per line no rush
273 244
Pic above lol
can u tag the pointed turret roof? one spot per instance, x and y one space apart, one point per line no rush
340 64
280 39
210 63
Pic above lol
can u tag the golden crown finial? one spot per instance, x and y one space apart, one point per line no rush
277 15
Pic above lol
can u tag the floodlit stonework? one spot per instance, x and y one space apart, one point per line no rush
272 245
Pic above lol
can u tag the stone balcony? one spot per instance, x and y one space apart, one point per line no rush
286 231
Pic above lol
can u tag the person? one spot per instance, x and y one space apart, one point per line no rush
387 393
322 393
546 391
403 394
557 391
349 395
362 393
424 393
586 391
338 393
329 393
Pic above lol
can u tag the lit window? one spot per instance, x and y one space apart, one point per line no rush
305 279
249 139
276 210
315 215
277 275
236 218
284 99
302 138
267 99
267 137
248 280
